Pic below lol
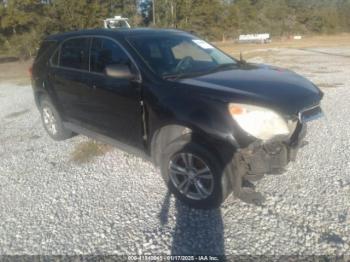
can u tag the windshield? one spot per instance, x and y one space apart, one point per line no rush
180 55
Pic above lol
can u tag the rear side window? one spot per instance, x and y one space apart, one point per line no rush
106 52
45 50
75 54
54 58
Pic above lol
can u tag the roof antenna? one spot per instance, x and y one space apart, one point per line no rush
241 58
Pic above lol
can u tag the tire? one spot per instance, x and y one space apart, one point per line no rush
52 121
174 157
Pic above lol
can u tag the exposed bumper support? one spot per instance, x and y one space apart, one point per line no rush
258 159
272 157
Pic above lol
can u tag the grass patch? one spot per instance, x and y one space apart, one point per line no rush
295 67
88 150
325 71
265 55
341 40
265 51
329 85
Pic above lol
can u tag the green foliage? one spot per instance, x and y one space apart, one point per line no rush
23 23
20 15
23 45
229 18
67 15
19 22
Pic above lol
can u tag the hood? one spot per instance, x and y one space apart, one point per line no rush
277 88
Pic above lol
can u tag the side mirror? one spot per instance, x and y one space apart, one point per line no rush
119 71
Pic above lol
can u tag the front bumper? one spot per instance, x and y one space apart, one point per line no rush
272 157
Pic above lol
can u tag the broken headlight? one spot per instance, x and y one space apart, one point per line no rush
261 122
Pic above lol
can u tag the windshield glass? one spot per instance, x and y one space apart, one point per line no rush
180 55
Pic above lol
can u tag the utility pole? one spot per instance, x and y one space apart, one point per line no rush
172 13
154 11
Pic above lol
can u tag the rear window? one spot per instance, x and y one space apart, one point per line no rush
75 54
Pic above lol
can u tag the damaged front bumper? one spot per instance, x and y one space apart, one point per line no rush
262 158
271 157
268 157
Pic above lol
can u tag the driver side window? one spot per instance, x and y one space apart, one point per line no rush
106 52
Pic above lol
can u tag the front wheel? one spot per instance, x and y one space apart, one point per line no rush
194 175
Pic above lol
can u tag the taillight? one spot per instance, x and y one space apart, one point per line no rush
30 70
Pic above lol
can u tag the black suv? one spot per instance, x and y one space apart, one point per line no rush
210 122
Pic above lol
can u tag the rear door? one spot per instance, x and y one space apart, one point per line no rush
113 104
68 74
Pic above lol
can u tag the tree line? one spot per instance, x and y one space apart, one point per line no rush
23 23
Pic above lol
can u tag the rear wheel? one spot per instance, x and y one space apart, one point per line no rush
194 175
52 121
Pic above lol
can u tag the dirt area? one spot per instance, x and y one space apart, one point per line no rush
15 72
253 50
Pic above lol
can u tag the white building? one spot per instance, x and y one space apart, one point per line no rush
255 38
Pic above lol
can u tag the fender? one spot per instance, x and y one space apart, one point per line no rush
176 116
206 116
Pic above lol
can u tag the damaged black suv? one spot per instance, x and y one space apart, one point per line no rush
210 122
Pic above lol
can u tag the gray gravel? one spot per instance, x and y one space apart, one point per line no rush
117 203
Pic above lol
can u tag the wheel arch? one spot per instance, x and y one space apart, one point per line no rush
163 136
38 96
169 133
196 141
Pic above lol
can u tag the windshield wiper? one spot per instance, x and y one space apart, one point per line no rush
221 67
180 75
212 70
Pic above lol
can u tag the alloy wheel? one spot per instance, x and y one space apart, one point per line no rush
191 176
50 120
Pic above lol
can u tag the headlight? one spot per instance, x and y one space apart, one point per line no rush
261 122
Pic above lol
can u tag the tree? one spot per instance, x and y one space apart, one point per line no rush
146 7
126 8
67 15
20 15
23 23
20 30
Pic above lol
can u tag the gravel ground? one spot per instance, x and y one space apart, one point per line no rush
117 203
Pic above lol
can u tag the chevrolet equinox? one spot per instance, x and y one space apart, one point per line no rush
212 123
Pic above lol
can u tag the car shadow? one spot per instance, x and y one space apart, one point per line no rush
201 232
197 232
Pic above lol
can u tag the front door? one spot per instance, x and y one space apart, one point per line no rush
113 104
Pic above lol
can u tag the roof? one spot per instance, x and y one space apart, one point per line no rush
115 32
